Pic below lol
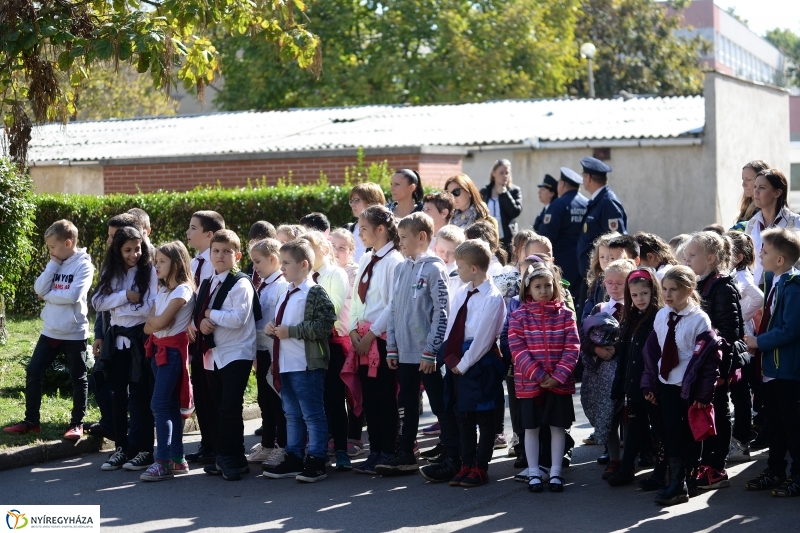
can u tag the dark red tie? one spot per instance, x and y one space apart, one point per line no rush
315 276
206 303
200 261
669 355
276 370
366 278
452 348
256 279
617 311
264 284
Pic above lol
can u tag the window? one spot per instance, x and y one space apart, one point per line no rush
794 181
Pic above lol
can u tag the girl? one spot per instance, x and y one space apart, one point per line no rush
676 377
747 208
518 246
344 249
543 339
469 207
503 199
367 325
287 232
407 193
598 261
655 253
708 255
642 302
127 289
600 367
168 350
363 196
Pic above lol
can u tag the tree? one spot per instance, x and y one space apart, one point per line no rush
167 38
638 50
787 42
411 51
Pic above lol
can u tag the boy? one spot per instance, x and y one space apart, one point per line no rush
624 247
447 240
414 335
439 206
202 227
225 324
477 313
143 223
259 231
778 340
63 286
300 357
121 221
316 222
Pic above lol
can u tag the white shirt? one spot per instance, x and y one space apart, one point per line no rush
206 271
292 352
662 270
608 307
376 308
752 298
596 193
124 313
486 313
495 268
693 323
336 283
269 291
236 326
360 248
785 219
494 209
184 315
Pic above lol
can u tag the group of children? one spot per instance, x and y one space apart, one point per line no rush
346 326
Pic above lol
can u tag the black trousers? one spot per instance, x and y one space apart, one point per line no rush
715 449
380 404
743 402
475 449
409 378
227 386
204 406
645 425
120 378
43 356
678 438
143 424
273 421
335 398
355 424
782 406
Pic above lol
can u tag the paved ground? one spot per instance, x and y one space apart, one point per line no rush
352 502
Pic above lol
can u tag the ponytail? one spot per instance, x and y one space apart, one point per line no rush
378 215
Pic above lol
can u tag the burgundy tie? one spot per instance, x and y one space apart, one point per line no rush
452 348
276 370
315 276
669 355
200 261
617 311
366 278
257 281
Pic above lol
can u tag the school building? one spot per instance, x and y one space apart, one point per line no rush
677 160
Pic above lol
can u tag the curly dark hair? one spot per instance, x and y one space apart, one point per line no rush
114 267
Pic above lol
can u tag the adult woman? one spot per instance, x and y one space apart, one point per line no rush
503 199
747 209
770 196
469 206
362 196
407 193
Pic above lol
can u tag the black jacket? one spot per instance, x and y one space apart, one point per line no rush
721 302
630 366
510 207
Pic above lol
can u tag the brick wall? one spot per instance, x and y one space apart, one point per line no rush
434 170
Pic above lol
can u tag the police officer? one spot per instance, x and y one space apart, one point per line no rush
563 224
604 214
548 192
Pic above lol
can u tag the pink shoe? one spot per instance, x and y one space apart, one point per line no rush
75 432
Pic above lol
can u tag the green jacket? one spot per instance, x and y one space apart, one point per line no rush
316 328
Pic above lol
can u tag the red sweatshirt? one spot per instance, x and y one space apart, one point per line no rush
158 347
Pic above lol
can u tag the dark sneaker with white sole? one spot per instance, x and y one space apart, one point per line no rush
403 463
291 466
313 471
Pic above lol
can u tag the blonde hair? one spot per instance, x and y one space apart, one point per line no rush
318 241
519 243
475 252
265 247
540 239
290 229
180 263
685 278
62 230
621 266
720 246
417 223
595 272
452 234
348 238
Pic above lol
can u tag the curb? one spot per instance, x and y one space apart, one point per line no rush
42 452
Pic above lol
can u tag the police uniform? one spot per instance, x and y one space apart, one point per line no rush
563 225
551 185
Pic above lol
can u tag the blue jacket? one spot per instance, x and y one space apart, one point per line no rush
480 388
604 214
563 225
780 345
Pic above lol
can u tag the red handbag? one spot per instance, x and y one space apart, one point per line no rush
702 422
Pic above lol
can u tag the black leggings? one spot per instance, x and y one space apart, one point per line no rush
380 404
678 438
642 416
715 449
335 395
273 421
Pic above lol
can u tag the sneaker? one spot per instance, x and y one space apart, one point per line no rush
343 463
433 429
115 460
439 472
74 432
702 476
477 477
179 469
141 462
765 480
621 478
589 441
433 453
313 471
512 442
788 489
354 447
500 441
20 428
522 476
614 466
714 479
259 454
259 431
99 431
291 466
331 448
403 463
368 466
604 459
738 452
416 449
203 456
461 475
275 458
231 468
157 472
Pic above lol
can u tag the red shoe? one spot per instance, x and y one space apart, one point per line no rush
75 432
461 476
714 480
702 476
613 467
477 477
20 428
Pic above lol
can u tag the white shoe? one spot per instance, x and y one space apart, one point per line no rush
738 452
522 476
259 454
275 458
513 441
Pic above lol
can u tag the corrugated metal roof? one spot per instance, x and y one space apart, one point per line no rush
480 124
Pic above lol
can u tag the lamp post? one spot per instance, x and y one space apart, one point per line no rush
588 51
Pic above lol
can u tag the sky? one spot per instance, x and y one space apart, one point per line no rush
764 15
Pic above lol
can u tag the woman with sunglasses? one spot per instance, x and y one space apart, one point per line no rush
407 193
363 196
503 200
467 201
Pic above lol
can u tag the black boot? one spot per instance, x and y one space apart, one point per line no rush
676 491
657 479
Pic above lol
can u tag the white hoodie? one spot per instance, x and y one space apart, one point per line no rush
64 288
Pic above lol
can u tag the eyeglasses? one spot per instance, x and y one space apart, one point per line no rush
354 201
613 284
456 192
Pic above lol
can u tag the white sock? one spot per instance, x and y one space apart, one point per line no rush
532 451
558 439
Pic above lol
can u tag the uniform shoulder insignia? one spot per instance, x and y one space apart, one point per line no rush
613 224
547 218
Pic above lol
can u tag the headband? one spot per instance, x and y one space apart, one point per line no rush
534 258
410 174
640 274
531 273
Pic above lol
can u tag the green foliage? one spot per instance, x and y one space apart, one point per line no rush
787 42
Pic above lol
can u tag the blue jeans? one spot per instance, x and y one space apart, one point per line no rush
166 406
302 395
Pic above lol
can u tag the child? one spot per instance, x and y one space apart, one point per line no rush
624 247
258 231
708 254
143 225
334 280
344 248
544 342
225 316
414 335
362 196
300 357
486 231
288 232
369 317
168 350
63 287
474 375
777 340
642 302
438 206
316 222
519 244
265 256
447 240
681 362
655 253
127 288
598 261
202 226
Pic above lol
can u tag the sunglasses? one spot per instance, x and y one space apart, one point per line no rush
456 192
